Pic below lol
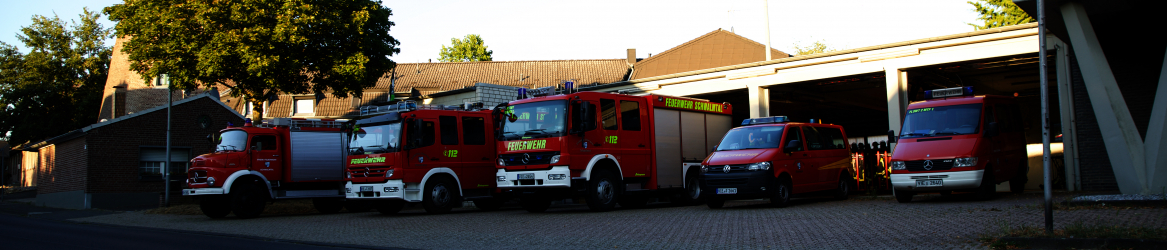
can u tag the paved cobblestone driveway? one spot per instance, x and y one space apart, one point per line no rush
930 222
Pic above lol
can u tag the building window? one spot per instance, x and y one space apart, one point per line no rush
304 107
152 162
162 80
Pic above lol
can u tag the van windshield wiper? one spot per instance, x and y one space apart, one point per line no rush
912 134
948 133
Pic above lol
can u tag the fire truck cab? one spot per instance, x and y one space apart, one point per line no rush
288 158
771 157
609 148
957 141
436 155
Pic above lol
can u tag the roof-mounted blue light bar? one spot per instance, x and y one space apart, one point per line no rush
765 120
948 92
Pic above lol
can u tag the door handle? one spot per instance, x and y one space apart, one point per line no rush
641 145
435 159
485 158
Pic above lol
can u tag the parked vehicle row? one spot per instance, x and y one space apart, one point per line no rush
605 148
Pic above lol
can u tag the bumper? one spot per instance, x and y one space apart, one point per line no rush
752 184
950 180
203 191
510 180
391 189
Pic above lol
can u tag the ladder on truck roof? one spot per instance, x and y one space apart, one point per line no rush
307 123
405 106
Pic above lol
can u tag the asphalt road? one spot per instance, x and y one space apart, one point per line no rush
19 232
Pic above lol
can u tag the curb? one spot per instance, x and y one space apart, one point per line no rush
1068 243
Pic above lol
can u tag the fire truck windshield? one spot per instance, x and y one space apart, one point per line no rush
232 140
751 137
534 120
942 121
376 139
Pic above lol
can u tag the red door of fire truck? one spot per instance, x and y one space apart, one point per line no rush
423 152
477 152
626 140
450 154
795 158
266 157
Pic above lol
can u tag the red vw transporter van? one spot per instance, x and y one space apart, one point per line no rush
771 157
955 141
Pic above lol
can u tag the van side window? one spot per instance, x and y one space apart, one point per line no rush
990 116
449 130
263 142
427 135
791 135
630 110
473 130
608 114
812 138
832 138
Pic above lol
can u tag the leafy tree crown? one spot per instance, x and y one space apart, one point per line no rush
469 49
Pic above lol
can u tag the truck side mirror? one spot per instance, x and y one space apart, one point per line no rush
992 130
714 149
584 118
891 136
792 145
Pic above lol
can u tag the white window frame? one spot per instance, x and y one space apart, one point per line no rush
296 108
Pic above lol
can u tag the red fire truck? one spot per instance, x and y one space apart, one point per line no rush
955 141
606 147
287 159
436 155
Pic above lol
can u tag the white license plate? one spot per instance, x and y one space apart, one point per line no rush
726 190
527 176
366 188
929 183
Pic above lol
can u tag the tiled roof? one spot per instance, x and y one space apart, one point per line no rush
714 49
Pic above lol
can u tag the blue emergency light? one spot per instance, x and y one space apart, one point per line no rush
522 93
948 92
765 120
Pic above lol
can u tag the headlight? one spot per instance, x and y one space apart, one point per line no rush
704 169
965 162
388 173
349 174
898 165
765 165
210 181
502 178
554 159
556 177
501 162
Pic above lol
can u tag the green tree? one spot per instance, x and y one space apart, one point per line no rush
469 49
815 47
999 13
259 48
57 86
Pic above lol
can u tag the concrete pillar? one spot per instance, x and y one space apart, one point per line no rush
897 99
1123 142
759 101
1157 137
1066 106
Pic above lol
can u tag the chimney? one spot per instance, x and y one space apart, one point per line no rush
631 56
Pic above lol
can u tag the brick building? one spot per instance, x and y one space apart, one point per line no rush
118 163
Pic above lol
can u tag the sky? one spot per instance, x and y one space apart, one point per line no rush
604 29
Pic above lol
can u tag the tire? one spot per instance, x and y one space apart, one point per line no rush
440 195
328 205
631 201
535 204
248 198
987 190
1017 184
356 207
715 203
781 195
844 187
215 206
390 207
603 191
488 204
692 194
903 196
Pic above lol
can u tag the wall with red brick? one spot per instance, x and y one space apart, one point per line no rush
63 167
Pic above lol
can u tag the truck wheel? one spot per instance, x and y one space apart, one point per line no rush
692 194
781 196
844 187
215 206
1017 184
356 207
488 204
714 202
248 198
603 191
987 189
902 196
390 207
535 204
327 205
440 196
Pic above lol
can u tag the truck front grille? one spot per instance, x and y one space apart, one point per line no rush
528 158
368 171
939 164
